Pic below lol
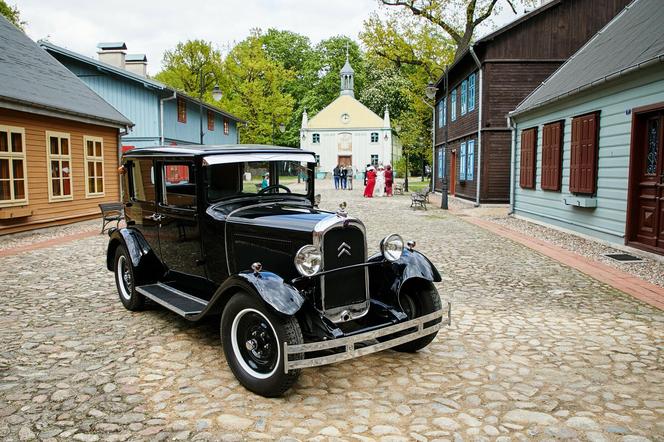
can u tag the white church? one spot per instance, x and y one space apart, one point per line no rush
347 132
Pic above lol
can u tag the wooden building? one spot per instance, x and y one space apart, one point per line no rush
58 140
589 142
491 78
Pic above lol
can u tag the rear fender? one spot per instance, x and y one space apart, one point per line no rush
146 265
281 297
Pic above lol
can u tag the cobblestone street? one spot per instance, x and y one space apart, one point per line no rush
536 351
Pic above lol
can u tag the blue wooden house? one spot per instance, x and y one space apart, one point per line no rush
162 115
589 142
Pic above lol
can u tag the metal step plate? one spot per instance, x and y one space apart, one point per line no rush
179 302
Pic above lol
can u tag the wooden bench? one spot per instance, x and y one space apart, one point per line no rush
111 212
398 189
418 200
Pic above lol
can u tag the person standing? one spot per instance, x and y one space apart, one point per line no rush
371 182
366 169
389 180
350 171
380 182
337 175
343 176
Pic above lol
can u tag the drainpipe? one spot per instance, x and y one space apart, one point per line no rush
161 116
479 129
512 126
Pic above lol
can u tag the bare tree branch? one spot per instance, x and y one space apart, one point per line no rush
410 4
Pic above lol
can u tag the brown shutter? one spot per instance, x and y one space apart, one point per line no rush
552 135
583 164
528 156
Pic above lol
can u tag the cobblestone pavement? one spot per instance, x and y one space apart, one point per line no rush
537 351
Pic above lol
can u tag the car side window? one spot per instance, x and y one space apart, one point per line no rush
179 181
142 180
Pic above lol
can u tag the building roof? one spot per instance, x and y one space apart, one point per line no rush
32 79
113 45
123 73
136 58
632 40
361 117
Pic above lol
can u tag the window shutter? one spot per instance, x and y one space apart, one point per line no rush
552 155
528 152
583 164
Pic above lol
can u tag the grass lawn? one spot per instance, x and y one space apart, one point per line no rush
415 184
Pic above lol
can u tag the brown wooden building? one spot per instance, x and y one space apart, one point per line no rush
490 79
58 140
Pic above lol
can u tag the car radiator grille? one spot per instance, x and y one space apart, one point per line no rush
343 247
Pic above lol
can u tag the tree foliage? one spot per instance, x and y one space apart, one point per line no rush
12 14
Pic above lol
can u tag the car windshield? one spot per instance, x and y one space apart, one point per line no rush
233 180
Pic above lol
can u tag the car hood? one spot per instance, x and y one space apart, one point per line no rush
279 215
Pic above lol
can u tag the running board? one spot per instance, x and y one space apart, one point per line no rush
179 302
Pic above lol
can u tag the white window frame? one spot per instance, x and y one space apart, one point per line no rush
377 162
315 139
9 155
94 159
50 157
371 137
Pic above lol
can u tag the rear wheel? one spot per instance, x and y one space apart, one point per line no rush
253 337
418 300
125 281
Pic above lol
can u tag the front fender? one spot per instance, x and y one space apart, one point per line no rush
273 290
143 258
386 280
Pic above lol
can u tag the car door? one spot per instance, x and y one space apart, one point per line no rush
179 232
140 203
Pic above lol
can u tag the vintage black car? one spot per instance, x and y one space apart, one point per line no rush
235 232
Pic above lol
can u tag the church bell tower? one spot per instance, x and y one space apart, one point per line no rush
347 77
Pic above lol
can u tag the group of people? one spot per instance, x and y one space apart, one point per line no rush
378 182
343 177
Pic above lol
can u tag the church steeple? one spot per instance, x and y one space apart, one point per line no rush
347 77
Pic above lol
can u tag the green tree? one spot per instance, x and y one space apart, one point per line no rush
12 14
184 65
254 88
386 87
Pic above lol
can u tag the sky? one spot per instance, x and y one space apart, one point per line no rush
153 26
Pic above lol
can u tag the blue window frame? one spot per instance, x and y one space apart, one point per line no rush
441 113
464 97
453 101
441 163
471 92
470 155
462 162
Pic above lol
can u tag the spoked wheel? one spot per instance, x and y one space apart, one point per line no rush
419 300
253 339
125 282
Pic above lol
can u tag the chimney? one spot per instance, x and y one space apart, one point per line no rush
137 64
112 53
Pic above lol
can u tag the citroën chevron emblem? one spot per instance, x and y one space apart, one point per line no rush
343 248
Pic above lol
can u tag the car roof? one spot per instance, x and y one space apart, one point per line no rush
200 150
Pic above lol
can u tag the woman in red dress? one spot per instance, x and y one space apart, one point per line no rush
371 182
389 179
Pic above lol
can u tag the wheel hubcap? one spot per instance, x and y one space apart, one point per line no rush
255 344
124 278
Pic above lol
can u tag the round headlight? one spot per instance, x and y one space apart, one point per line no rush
391 247
308 260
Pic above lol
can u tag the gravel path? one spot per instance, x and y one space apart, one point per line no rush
39 235
536 351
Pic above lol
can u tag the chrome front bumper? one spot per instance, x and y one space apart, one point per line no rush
350 352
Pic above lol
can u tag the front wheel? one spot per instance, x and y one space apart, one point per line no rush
417 301
252 337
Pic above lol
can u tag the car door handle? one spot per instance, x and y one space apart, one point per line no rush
156 217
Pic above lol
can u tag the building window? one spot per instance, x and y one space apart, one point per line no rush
453 100
374 137
226 126
471 92
462 162
464 97
584 149
210 119
374 160
317 160
528 158
315 138
13 168
59 160
442 113
94 166
441 163
552 154
470 160
182 110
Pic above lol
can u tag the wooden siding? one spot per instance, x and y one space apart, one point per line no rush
614 101
45 213
189 132
496 151
555 33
